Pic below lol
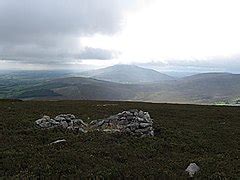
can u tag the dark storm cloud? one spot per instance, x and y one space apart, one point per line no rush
39 30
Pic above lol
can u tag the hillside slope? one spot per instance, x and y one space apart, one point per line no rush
212 85
184 134
80 88
200 88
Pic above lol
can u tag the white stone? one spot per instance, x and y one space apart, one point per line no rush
145 125
58 141
192 169
141 114
64 124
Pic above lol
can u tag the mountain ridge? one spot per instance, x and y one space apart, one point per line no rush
199 88
203 90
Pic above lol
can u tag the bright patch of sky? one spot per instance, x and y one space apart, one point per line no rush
83 34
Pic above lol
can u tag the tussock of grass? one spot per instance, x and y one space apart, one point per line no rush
207 135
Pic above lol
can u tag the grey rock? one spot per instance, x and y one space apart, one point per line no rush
59 118
133 110
38 122
151 133
45 125
129 117
100 123
45 122
127 130
64 124
72 116
192 169
123 122
123 118
133 125
143 130
112 118
70 123
136 114
144 135
70 128
146 116
107 120
79 122
142 120
55 124
141 114
93 122
119 114
104 126
111 130
46 117
81 130
145 125
128 113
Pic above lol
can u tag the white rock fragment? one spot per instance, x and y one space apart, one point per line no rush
111 130
58 141
192 169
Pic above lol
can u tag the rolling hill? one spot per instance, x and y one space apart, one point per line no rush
79 88
201 88
130 74
209 88
213 84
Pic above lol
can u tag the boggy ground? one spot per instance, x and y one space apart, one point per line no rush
206 135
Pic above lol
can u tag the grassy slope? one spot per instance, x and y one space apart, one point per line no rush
188 133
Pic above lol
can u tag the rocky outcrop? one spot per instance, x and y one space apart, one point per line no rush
132 122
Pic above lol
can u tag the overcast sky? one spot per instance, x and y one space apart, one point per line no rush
184 35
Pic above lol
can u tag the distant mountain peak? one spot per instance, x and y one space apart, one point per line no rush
124 65
125 73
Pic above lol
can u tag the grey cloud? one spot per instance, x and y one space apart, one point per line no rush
49 29
219 63
35 55
96 53
227 64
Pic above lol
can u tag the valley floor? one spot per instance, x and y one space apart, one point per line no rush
206 135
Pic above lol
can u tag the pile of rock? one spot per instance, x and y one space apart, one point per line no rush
66 121
133 122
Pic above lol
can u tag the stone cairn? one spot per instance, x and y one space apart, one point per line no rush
132 122
66 121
